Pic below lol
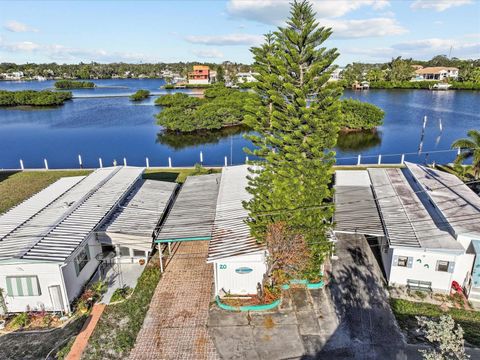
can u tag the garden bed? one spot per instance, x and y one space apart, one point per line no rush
406 311
117 329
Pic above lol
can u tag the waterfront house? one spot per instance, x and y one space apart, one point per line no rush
48 244
436 73
423 221
200 75
336 74
246 77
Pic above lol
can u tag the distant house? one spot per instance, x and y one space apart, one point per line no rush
51 244
200 75
16 75
336 74
436 73
422 221
245 77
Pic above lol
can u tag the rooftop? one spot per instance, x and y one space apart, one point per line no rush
409 219
193 211
457 203
231 235
140 211
434 69
355 207
55 229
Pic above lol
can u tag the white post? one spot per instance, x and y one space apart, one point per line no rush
46 164
246 159
201 157
100 162
160 256
21 165
359 160
147 162
169 249
124 161
424 122
226 161
169 162
379 159
403 159
458 151
80 160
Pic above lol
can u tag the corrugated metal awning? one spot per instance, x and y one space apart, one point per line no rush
193 211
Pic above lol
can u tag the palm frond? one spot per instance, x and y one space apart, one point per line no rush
475 135
464 144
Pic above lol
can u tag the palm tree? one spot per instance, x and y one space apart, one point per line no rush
471 149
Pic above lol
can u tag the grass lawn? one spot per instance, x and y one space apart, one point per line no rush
117 329
176 175
405 312
18 186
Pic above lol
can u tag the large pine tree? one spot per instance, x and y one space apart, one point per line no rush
296 129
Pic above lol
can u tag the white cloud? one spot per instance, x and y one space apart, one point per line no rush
438 5
329 13
58 52
435 46
208 53
274 12
230 39
374 27
15 26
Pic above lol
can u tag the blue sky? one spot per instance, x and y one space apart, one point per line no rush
216 31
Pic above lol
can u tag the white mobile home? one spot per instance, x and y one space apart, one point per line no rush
405 209
48 247
129 231
239 261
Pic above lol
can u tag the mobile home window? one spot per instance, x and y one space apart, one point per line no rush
138 253
23 286
403 261
124 251
442 266
82 259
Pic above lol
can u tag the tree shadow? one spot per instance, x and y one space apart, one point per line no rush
366 325
4 175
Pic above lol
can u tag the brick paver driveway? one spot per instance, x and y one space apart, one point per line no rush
175 325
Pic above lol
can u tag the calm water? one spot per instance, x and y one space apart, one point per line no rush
114 128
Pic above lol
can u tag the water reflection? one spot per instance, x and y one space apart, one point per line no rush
180 141
358 140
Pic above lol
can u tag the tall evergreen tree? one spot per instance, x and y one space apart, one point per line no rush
296 129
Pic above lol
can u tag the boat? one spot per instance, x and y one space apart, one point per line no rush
440 86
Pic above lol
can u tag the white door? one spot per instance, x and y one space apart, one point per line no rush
56 298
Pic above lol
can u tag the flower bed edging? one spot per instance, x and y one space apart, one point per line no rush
312 286
263 307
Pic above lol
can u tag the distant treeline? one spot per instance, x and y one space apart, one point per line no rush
70 84
107 71
398 72
457 85
33 98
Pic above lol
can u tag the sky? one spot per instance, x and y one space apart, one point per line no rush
219 30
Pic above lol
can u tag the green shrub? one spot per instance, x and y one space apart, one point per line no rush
360 115
20 321
140 95
71 84
33 98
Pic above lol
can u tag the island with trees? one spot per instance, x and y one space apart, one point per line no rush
140 95
220 107
71 84
33 98
224 107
